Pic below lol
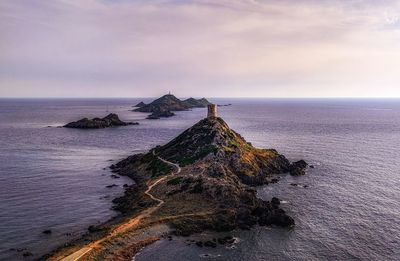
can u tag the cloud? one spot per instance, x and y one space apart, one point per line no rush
201 48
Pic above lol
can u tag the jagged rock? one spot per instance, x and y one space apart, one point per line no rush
275 201
274 180
47 232
97 123
298 168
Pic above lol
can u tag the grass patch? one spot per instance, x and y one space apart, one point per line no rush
156 166
175 181
198 155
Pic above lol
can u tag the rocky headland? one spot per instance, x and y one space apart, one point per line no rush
204 179
110 120
165 105
219 171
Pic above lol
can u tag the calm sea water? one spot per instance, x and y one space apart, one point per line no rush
54 178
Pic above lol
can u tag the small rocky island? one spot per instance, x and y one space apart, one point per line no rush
163 106
111 120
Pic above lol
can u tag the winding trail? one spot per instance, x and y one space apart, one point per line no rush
132 222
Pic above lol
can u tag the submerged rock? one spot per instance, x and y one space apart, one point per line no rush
47 232
27 254
110 120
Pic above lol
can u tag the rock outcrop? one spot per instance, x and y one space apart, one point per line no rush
110 120
163 106
196 103
160 114
219 171
298 168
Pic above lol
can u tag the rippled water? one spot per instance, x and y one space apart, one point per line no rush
351 209
53 178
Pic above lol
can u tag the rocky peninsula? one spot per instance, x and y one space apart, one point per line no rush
219 171
111 120
164 106
204 179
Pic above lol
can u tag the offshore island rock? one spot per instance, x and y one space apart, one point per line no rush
110 120
163 106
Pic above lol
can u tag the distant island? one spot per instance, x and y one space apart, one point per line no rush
164 106
111 120
203 179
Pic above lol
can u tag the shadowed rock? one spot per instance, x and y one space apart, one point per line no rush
163 106
110 120
160 114
298 168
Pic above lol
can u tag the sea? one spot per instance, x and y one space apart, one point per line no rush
346 208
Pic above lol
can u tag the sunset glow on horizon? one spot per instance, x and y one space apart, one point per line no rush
241 48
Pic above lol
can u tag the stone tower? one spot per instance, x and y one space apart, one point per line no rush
212 111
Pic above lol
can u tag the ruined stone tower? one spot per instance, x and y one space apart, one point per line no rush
212 111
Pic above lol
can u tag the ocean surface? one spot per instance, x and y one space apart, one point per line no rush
55 178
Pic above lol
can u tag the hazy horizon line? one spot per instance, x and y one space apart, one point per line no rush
215 97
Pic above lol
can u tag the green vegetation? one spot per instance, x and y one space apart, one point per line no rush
199 155
198 187
175 181
157 166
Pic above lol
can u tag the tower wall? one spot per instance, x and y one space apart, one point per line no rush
212 110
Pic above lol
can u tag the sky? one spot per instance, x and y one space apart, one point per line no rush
210 48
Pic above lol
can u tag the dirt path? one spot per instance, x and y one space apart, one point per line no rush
132 222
